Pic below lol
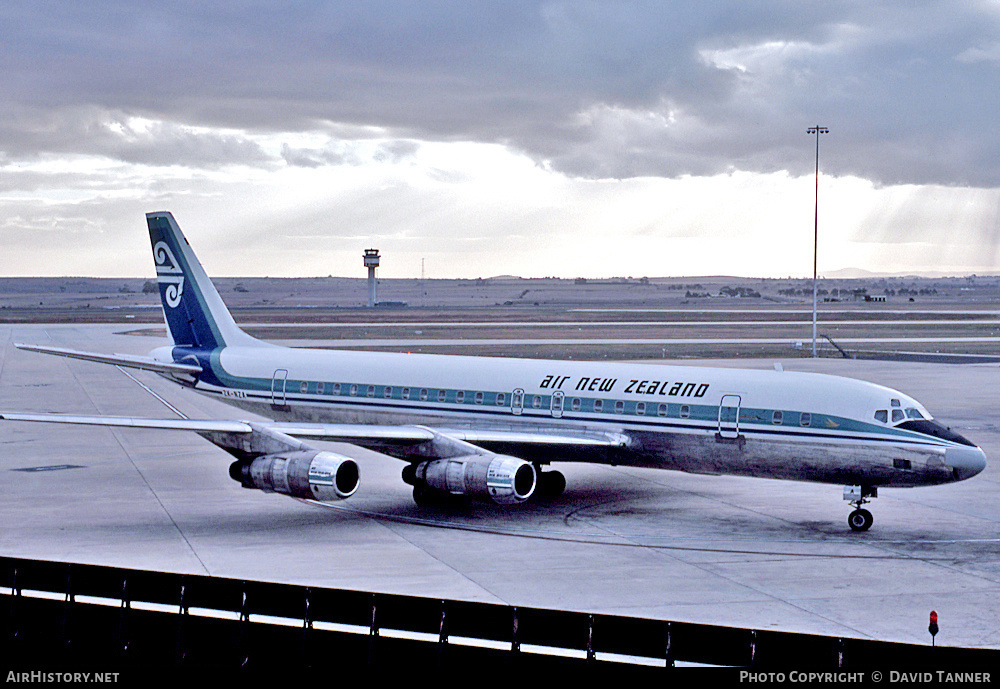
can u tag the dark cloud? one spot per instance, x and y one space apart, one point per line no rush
594 88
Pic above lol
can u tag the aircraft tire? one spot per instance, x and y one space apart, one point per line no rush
423 496
553 483
860 520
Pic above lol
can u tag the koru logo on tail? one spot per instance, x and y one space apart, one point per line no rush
169 273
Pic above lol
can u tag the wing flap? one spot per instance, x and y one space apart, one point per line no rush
335 432
554 438
417 434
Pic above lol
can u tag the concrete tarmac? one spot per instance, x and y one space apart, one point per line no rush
718 550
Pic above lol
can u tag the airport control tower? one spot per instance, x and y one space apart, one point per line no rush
371 263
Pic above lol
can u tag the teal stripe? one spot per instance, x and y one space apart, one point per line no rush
759 419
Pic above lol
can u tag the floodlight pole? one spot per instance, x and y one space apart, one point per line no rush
817 131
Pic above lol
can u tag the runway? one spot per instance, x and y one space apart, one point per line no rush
716 550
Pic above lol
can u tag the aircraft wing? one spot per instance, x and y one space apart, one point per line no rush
421 442
398 441
354 432
145 363
205 426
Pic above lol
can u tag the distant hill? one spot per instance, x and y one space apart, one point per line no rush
861 274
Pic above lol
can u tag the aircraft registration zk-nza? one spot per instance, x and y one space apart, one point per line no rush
485 427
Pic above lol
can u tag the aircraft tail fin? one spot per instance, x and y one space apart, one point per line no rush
195 314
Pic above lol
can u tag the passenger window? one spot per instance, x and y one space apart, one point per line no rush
371 390
442 394
406 393
619 407
661 410
598 405
319 388
460 396
501 398
777 418
536 402
423 393
479 398
640 409
304 386
387 393
882 415
336 388
354 390
575 404
685 411
805 419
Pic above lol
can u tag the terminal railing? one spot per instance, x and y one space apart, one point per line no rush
68 614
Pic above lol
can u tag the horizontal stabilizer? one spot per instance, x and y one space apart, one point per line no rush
128 360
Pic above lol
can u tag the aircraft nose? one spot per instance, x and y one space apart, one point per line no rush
965 462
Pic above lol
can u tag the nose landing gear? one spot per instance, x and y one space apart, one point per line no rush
860 519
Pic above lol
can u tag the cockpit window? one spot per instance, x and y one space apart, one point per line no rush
897 415
882 415
912 413
933 428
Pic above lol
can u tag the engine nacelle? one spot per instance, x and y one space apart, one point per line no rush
307 474
504 480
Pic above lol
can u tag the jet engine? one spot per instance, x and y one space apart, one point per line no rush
504 480
306 474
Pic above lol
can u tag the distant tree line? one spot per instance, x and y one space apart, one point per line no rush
922 292
744 292
792 291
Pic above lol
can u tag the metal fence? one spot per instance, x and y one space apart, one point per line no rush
70 614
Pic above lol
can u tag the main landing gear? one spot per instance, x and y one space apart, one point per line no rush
860 519
551 484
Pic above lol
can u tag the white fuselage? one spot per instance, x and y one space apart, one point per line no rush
770 423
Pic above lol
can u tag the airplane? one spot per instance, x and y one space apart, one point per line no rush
484 428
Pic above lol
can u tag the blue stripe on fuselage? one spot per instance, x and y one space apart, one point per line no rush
844 429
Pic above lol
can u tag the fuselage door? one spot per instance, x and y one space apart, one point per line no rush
729 417
278 383
517 401
557 403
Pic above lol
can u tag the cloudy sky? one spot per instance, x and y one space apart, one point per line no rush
567 138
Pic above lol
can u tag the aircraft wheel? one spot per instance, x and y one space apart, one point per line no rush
410 474
553 483
860 520
424 496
